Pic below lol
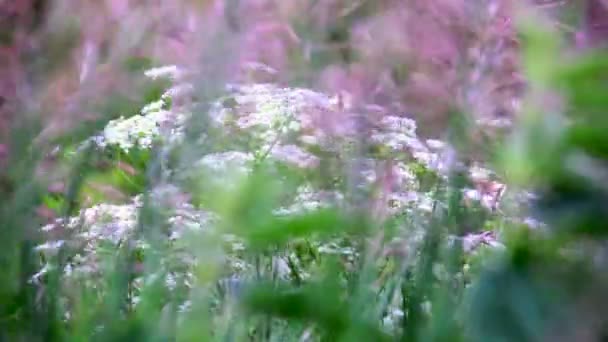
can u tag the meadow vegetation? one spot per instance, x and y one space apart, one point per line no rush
372 172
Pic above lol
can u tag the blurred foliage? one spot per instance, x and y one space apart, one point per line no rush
149 245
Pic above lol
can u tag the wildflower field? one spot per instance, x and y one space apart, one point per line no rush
335 171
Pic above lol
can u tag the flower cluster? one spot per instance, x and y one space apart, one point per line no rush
307 200
104 227
136 131
155 121
264 110
296 127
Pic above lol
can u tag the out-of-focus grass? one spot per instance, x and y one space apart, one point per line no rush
542 286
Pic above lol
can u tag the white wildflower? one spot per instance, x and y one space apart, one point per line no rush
435 145
533 223
35 279
170 71
405 176
185 307
471 242
109 222
227 162
142 129
334 248
398 124
496 123
425 202
177 91
427 159
472 194
369 176
135 131
393 318
270 113
170 282
294 155
477 173
395 141
236 244
400 200
307 199
152 107
398 134
50 246
309 139
256 66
